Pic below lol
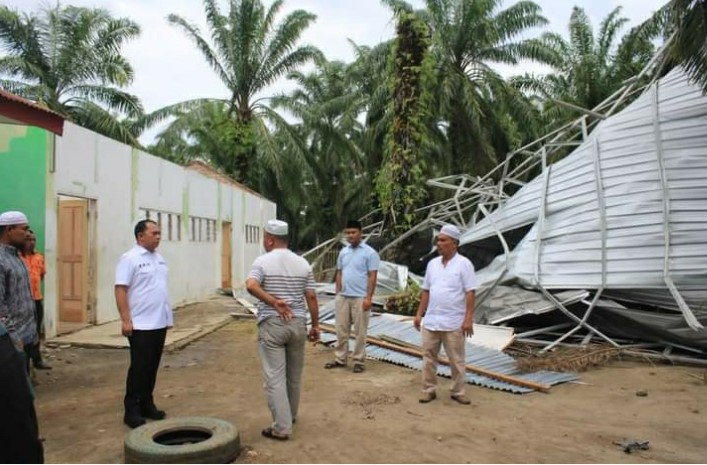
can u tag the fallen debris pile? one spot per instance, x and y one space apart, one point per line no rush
394 339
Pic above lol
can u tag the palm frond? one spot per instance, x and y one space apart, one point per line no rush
113 99
610 26
518 18
581 35
96 118
690 46
204 48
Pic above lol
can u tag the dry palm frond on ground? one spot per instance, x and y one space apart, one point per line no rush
563 358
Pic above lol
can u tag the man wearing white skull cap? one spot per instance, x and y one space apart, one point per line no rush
16 301
19 432
284 284
447 304
276 228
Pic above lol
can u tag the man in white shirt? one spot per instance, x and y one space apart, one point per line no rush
282 281
447 304
143 302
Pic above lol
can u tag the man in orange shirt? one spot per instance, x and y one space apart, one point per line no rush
35 264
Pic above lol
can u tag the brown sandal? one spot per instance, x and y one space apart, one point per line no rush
270 433
334 364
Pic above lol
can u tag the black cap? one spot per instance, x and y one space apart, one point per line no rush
353 224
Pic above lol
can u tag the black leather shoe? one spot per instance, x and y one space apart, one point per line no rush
153 413
133 420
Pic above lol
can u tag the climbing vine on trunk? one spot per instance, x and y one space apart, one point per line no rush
400 183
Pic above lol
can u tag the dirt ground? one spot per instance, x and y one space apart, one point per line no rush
374 417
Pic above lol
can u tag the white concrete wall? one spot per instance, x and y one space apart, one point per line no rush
124 183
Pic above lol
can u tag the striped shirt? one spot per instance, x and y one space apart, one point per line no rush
16 303
285 275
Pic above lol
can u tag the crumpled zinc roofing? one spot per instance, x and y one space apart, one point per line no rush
475 355
392 279
630 199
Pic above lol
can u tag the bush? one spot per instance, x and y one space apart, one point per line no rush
404 303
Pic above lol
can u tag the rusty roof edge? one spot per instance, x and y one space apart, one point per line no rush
214 173
37 106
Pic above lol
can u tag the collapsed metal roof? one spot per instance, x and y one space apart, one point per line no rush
618 225
626 210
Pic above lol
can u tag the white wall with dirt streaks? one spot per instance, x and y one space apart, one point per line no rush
124 185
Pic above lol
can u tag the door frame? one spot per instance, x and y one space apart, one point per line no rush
91 258
226 238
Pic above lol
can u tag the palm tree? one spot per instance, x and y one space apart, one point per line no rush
369 76
469 36
686 22
328 103
400 183
690 47
249 51
68 59
204 133
589 67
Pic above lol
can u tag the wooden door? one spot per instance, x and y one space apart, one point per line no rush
73 261
226 230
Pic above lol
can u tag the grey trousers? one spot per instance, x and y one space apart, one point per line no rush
281 349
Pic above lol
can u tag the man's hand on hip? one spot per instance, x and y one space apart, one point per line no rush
283 309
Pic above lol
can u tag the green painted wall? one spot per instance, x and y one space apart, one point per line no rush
23 174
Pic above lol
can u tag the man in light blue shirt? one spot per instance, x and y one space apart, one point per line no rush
356 274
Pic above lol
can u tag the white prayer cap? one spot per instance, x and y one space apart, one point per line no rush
276 227
13 218
451 231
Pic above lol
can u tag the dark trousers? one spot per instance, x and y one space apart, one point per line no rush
145 354
19 432
32 351
39 315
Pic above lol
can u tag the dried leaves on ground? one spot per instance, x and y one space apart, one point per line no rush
575 359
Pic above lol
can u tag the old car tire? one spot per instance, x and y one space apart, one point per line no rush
183 440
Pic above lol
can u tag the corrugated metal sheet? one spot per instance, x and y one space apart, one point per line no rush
479 356
506 303
392 279
630 199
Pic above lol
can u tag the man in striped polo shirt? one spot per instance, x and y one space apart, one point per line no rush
282 281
